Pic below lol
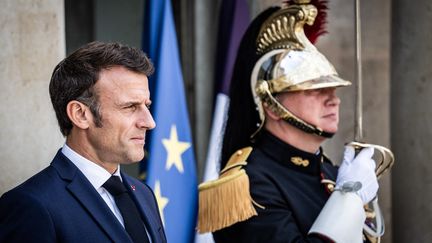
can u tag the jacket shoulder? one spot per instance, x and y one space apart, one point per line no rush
23 214
38 184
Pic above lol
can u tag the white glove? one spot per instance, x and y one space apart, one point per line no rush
359 169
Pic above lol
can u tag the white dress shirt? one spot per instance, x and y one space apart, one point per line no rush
97 177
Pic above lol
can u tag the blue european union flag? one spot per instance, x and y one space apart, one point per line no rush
171 168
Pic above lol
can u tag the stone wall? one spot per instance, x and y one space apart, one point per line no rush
31 42
412 120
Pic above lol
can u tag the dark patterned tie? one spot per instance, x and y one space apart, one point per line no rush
132 222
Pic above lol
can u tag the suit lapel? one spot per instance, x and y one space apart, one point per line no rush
85 193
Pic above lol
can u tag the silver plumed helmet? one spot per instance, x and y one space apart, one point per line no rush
290 62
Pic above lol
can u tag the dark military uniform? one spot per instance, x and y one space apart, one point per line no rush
288 183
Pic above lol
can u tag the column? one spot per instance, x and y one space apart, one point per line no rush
32 42
411 131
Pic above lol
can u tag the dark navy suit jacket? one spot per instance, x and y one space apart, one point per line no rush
60 205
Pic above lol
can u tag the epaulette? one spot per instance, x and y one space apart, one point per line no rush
226 200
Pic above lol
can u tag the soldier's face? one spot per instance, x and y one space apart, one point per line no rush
319 107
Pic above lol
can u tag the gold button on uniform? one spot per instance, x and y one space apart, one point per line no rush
299 161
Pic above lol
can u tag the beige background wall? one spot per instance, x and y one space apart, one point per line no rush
31 42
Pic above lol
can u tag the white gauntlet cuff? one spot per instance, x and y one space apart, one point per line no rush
341 219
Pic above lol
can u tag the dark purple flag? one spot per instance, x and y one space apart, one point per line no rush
233 21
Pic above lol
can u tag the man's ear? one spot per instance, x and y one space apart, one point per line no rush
79 114
269 113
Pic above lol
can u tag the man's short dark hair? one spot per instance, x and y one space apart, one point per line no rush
74 77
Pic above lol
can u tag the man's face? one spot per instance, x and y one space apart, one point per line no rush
124 98
319 107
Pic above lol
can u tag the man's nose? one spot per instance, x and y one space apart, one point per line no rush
332 99
146 120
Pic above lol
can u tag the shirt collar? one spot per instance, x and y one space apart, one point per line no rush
96 174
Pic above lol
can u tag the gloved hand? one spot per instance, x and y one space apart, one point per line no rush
359 169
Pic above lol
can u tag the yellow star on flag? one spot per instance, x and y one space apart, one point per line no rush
174 149
161 201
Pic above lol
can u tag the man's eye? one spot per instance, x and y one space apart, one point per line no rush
313 92
131 107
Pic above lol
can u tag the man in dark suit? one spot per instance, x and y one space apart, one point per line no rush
101 98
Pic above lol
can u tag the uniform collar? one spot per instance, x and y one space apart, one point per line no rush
289 155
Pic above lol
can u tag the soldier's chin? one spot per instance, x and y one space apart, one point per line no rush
331 130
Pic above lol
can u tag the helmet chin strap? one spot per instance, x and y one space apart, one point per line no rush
286 115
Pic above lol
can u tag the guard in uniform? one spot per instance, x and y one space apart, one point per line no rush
276 184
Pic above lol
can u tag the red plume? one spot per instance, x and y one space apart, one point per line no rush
318 28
